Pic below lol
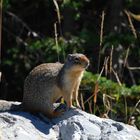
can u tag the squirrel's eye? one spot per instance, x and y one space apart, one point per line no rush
76 59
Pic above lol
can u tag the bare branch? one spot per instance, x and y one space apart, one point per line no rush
82 102
117 77
101 37
126 57
56 41
131 24
57 10
131 75
133 68
102 26
110 63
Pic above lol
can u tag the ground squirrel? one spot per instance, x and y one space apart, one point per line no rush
48 82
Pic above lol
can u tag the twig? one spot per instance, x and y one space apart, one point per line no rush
102 27
100 74
117 77
131 24
105 62
90 108
101 37
133 68
96 90
136 17
58 11
126 109
131 75
113 98
56 41
110 62
59 22
126 57
106 103
106 66
82 102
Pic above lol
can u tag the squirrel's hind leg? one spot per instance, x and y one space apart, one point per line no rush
50 112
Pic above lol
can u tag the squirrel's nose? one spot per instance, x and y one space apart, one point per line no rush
84 61
86 64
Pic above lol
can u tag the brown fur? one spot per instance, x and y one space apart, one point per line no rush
48 82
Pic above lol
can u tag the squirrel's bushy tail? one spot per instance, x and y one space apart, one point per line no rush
10 106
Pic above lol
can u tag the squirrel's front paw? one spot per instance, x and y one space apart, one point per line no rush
61 108
72 107
79 107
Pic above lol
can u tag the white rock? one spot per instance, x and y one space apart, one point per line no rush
73 125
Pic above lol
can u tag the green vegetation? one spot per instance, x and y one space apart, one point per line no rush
113 99
109 87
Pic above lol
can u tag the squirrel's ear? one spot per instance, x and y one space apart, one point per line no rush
69 56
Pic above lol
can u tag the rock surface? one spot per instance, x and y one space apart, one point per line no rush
73 125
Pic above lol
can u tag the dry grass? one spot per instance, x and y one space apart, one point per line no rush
82 101
56 41
101 38
102 27
131 23
58 11
59 24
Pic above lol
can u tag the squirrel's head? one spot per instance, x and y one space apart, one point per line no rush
77 62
